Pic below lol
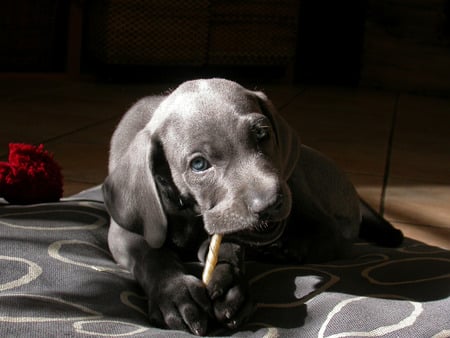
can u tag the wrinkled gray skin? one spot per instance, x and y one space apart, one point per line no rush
214 157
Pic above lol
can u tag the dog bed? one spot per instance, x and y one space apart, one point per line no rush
57 278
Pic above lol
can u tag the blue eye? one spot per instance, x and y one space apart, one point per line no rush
262 133
199 164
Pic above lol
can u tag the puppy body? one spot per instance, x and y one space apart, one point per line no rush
214 157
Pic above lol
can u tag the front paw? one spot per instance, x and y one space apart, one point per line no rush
180 303
228 291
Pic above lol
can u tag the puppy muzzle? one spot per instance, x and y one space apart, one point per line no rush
263 234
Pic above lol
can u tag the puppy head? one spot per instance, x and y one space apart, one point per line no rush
230 152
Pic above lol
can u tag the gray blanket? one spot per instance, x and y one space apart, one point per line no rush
57 278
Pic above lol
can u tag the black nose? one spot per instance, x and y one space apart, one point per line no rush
266 208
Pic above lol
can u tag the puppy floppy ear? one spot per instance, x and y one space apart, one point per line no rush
131 195
288 141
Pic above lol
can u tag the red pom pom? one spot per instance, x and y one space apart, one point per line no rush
30 176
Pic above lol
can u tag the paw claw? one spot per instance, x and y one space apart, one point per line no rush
232 324
228 314
215 294
198 330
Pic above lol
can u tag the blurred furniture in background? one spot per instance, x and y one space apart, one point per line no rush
191 32
390 44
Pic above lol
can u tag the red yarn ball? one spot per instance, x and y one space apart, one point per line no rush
31 175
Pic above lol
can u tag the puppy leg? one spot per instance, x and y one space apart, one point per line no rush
228 288
176 300
375 228
306 247
325 214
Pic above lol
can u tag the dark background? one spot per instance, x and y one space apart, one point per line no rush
389 44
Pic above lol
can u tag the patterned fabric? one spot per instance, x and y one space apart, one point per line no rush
57 278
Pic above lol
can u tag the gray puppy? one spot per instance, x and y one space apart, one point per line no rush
214 157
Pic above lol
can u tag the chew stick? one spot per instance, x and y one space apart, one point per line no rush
211 258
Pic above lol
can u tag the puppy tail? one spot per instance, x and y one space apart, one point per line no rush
374 228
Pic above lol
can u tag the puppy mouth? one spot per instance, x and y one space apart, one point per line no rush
264 233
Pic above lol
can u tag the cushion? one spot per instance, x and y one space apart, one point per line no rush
57 277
